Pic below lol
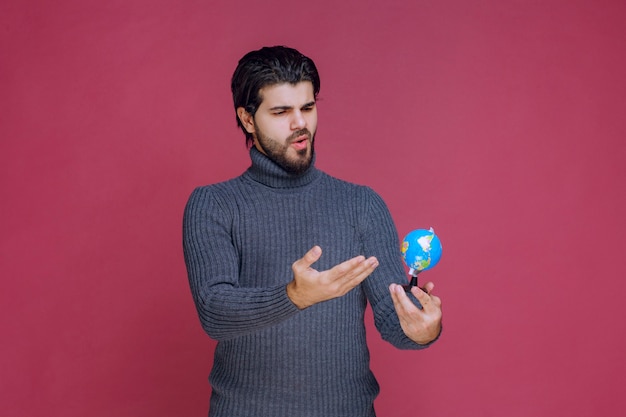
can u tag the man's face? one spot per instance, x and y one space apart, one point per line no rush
284 125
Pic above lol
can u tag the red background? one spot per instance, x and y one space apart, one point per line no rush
501 124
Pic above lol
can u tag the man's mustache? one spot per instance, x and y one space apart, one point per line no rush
299 133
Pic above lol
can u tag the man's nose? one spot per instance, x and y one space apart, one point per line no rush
298 121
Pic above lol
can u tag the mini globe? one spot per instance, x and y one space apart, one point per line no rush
421 250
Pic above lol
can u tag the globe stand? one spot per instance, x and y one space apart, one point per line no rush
413 283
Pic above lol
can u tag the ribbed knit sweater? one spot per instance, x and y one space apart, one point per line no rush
240 238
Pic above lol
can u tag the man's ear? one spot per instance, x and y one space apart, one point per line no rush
246 119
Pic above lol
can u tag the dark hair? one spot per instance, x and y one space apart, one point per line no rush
265 67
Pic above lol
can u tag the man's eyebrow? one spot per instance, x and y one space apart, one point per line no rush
283 108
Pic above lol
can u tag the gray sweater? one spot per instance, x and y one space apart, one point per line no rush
240 238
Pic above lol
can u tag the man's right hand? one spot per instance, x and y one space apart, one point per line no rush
310 286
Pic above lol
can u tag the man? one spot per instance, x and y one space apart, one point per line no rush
283 259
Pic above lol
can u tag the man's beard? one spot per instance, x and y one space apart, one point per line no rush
277 151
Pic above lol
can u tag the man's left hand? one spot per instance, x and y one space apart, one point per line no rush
420 325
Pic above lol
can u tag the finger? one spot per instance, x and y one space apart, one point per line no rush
352 267
402 303
426 300
395 295
436 300
362 271
309 258
353 271
421 295
428 287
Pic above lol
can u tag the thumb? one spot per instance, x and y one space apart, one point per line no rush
309 258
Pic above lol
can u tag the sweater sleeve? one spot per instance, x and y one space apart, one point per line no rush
225 309
381 240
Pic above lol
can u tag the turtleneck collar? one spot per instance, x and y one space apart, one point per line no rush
267 172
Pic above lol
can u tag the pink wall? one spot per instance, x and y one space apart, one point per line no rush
499 123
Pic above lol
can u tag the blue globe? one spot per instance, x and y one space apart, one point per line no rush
421 249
